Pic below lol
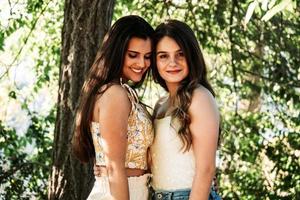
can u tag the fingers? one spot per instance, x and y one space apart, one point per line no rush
215 183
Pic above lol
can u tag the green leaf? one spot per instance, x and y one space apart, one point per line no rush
276 9
250 11
12 94
1 40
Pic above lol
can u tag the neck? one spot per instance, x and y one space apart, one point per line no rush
172 89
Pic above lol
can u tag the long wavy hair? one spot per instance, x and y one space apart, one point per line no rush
106 69
186 39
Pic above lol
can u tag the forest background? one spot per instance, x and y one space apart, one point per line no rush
252 49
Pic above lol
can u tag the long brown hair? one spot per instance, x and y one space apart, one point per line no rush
186 39
106 69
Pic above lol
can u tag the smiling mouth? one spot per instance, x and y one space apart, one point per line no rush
137 70
174 71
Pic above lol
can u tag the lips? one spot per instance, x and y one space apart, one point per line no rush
174 71
137 70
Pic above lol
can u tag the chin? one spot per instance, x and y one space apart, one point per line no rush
136 79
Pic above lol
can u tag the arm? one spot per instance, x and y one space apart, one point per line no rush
204 128
113 119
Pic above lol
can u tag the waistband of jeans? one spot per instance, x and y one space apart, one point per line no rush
170 193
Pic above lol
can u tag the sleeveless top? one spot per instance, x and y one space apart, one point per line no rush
172 168
139 135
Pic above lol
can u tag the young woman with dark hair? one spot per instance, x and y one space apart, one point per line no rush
186 121
112 126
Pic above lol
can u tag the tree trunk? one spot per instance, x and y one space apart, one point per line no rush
85 24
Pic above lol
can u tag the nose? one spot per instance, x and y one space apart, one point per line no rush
141 62
172 61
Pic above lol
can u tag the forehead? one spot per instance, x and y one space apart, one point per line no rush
167 44
139 45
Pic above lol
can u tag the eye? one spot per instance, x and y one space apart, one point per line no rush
163 56
132 55
180 54
147 57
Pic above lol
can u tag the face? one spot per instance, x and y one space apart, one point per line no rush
171 61
137 59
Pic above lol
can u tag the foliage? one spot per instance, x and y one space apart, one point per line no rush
30 35
25 160
251 48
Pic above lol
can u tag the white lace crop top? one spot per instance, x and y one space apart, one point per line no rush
172 168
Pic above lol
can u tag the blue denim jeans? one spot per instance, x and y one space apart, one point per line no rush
177 195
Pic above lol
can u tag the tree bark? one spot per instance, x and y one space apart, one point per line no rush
85 24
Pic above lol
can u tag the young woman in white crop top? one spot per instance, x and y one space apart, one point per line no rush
186 121
112 126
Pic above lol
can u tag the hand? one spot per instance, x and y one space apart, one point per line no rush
215 184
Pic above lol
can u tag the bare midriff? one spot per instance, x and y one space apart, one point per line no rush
129 172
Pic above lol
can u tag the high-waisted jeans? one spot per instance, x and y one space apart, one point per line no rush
178 194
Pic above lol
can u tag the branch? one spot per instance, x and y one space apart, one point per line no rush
254 56
268 79
25 41
190 9
234 5
6 174
10 7
170 3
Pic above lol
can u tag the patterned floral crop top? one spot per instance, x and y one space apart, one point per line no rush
139 136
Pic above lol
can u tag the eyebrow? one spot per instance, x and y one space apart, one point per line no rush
167 51
132 51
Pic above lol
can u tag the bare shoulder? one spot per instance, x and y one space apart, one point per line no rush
203 100
114 95
115 91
